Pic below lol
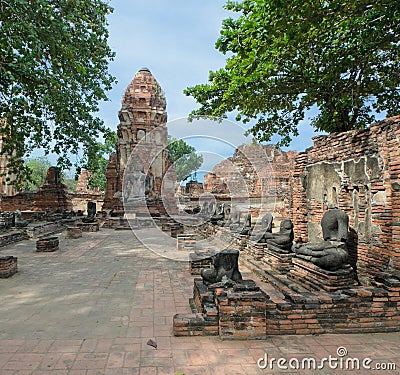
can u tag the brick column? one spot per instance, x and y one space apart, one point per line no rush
299 214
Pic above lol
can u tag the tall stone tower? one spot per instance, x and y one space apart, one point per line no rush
143 131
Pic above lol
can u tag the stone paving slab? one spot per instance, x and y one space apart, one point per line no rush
91 307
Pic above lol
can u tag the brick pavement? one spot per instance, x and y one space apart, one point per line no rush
90 308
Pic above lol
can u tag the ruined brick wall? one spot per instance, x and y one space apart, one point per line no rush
81 199
358 172
21 201
243 314
41 200
112 177
83 194
213 184
255 171
83 183
358 310
52 195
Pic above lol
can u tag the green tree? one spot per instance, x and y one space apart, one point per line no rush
38 170
68 178
184 156
71 183
97 159
340 57
53 72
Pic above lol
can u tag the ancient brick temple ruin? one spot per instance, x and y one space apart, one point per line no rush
52 195
84 194
254 171
334 264
356 171
142 129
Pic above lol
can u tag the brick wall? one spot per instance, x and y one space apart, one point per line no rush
245 314
21 201
51 197
358 172
81 199
359 310
194 188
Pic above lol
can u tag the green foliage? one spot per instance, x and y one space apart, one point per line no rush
71 183
68 179
38 170
285 57
97 155
53 72
184 156
36 177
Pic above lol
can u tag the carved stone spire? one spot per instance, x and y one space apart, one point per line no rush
142 128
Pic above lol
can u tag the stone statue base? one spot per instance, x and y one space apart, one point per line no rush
313 277
88 227
134 202
279 262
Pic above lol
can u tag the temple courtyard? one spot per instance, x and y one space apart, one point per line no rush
91 308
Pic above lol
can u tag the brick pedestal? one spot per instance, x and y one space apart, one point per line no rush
8 266
255 249
236 312
242 311
88 227
74 232
313 277
48 244
278 262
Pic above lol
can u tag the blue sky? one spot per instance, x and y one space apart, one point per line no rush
175 40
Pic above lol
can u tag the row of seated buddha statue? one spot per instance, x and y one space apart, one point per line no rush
329 254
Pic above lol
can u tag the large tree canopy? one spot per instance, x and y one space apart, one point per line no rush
53 72
285 57
184 156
